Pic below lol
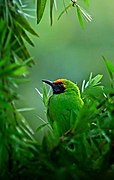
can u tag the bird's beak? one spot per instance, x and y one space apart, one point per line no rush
48 82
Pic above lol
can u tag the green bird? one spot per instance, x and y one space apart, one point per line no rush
63 105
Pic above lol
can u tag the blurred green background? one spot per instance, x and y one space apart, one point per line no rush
65 50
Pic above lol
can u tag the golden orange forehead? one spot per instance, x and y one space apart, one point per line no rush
58 81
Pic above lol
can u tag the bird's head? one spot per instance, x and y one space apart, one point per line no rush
62 85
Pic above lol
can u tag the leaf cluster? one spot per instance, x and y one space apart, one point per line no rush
82 14
16 137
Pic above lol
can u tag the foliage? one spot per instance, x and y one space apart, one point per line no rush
17 143
41 4
84 152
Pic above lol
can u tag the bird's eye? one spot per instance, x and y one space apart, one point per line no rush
58 88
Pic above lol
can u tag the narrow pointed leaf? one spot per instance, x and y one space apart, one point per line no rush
80 17
51 11
55 4
96 80
64 4
45 95
65 10
109 66
87 17
25 36
8 39
41 127
20 49
41 95
25 109
21 20
3 33
40 9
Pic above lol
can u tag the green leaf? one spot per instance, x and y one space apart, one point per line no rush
65 10
4 61
3 152
93 87
20 71
13 70
3 32
80 17
82 122
25 109
64 4
94 81
4 104
86 16
41 127
109 66
21 20
19 49
24 35
45 94
40 9
8 39
51 10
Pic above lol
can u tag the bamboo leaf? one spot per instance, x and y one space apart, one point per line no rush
51 11
8 39
87 17
4 104
80 17
64 4
3 32
25 36
20 49
21 20
94 81
25 109
65 10
45 94
20 71
41 127
3 152
41 95
55 4
40 9
110 67
13 69
93 86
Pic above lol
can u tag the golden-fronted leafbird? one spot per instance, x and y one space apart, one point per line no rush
63 105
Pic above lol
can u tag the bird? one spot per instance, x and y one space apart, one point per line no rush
63 105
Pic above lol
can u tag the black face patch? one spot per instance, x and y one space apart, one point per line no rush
58 88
